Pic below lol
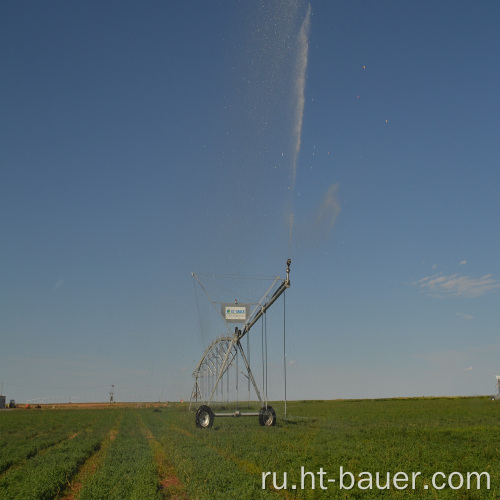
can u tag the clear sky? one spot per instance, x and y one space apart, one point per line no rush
143 141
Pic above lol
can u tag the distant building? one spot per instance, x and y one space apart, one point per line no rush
2 402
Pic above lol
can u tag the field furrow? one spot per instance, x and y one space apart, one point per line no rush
206 470
17 450
128 469
141 453
44 474
170 485
90 466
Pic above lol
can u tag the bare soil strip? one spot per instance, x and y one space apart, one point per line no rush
89 468
170 485
40 451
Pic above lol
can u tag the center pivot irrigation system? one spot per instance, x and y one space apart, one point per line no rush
211 374
496 396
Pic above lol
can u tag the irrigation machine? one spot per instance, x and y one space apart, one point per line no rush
212 373
497 395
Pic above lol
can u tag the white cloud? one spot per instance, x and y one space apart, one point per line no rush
462 263
465 316
329 210
469 369
59 284
456 285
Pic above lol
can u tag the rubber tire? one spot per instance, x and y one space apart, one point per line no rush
204 417
267 416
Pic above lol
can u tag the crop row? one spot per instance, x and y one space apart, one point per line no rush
112 452
41 431
44 474
146 453
415 435
204 471
128 470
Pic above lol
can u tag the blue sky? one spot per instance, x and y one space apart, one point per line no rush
141 142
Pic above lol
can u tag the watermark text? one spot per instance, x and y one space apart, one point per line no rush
346 480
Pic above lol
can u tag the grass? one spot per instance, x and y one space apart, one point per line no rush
159 453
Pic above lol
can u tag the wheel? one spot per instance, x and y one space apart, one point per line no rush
267 416
204 417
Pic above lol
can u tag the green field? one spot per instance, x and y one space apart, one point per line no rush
120 453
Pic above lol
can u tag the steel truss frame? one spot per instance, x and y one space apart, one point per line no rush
223 353
497 395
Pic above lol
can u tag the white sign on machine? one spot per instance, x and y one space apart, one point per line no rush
235 313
